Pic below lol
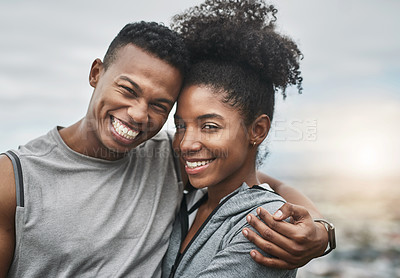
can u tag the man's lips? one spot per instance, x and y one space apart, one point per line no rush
123 130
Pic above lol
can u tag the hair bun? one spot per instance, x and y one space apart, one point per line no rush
241 32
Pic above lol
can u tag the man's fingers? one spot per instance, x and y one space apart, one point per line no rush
297 233
283 258
291 244
298 213
267 237
282 227
265 243
257 223
274 244
270 262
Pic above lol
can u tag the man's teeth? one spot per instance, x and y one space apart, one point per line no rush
197 163
123 130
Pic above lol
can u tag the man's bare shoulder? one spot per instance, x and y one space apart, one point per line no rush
7 186
7 214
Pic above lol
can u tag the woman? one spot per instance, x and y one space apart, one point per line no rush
224 113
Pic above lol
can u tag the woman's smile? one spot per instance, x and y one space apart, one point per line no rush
193 167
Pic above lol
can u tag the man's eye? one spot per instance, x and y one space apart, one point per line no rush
129 90
160 107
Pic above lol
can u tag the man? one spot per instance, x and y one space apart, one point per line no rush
97 198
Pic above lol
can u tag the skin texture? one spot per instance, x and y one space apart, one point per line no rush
138 89
7 212
207 129
213 131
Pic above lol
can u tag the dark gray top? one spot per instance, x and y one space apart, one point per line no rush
219 249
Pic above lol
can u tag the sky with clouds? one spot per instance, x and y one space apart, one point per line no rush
345 121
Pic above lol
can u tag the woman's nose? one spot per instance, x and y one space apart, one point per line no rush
190 141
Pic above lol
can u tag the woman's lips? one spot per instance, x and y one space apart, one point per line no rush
196 167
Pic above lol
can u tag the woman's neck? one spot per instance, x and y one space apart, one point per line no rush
226 187
216 193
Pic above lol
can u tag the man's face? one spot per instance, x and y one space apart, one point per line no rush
131 100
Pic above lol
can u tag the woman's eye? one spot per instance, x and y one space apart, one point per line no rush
210 126
179 126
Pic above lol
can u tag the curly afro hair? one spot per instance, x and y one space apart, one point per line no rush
154 38
236 51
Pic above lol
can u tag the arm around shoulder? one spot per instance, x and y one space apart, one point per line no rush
7 214
293 244
290 194
234 260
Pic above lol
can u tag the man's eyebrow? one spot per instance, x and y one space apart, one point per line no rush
133 83
165 100
137 87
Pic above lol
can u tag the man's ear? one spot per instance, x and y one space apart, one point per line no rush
259 129
95 72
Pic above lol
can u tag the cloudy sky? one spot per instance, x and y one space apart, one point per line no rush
345 121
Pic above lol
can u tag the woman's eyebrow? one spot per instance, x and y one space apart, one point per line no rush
203 117
210 116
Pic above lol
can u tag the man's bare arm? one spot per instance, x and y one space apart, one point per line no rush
7 214
290 194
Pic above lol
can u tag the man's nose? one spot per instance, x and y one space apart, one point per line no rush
139 112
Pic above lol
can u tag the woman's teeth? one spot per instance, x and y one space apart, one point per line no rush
123 130
197 163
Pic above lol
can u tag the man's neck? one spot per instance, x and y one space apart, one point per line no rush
79 138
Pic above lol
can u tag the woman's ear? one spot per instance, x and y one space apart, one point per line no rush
95 72
259 129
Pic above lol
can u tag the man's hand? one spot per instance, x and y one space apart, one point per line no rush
293 244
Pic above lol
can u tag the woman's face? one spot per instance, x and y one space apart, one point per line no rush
211 138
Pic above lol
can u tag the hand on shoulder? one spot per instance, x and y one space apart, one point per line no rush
293 244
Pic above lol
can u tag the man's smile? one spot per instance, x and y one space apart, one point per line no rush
123 130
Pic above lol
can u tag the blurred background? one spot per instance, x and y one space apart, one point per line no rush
338 142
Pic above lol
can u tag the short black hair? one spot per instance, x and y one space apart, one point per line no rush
236 51
154 38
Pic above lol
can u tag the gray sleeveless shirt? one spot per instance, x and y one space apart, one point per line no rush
87 217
